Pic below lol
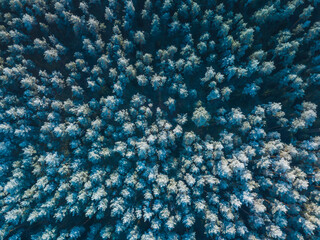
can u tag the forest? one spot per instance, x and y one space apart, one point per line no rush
159 119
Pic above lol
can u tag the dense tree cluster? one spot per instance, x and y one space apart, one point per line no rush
159 119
